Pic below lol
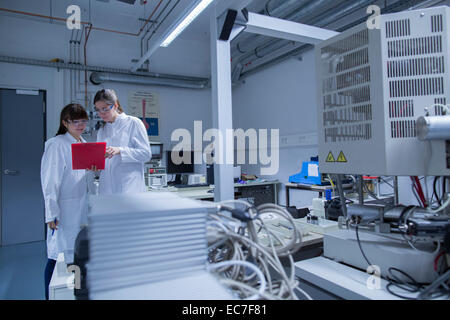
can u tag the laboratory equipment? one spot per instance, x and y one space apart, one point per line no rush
194 179
155 173
156 177
373 84
310 174
383 110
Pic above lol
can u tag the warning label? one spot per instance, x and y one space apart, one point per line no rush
330 158
341 157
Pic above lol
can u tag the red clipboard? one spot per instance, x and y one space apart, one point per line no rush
86 155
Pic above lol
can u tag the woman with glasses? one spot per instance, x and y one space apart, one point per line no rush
127 146
64 189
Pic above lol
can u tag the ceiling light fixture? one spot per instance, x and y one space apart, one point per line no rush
178 27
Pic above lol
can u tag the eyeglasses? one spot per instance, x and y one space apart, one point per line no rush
103 110
78 122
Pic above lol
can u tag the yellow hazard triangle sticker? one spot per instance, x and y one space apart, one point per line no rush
330 158
341 157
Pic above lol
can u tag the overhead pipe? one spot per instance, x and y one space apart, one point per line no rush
98 78
181 81
153 23
301 48
305 12
87 33
82 22
321 21
159 25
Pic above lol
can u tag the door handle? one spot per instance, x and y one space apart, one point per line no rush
11 172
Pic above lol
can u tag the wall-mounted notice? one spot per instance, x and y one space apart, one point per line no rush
145 106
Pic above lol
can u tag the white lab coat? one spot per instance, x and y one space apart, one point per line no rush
65 195
124 173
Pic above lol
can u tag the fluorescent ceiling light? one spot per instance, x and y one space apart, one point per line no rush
179 27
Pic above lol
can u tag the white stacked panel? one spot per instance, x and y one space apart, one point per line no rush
144 238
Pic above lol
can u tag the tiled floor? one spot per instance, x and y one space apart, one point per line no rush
22 271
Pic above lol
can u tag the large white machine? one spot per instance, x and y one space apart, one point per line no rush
382 110
373 84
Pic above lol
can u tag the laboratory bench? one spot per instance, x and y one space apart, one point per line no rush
255 192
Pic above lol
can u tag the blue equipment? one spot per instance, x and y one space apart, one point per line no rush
310 174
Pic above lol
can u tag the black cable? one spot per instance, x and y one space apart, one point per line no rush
359 244
388 286
444 187
413 287
435 192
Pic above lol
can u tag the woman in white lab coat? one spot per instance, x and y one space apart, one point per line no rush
127 146
64 189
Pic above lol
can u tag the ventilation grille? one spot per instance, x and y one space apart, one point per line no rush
347 112
436 23
348 79
403 129
416 87
347 97
353 60
348 115
415 46
438 110
401 109
350 43
349 133
399 28
415 67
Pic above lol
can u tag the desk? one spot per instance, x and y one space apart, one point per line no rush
261 192
309 187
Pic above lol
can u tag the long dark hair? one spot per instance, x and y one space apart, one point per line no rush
109 96
73 111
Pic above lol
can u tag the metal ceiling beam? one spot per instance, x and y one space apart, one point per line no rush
288 30
221 95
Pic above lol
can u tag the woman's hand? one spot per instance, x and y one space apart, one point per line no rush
111 152
53 224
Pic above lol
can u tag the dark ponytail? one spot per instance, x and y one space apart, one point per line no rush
73 111
108 96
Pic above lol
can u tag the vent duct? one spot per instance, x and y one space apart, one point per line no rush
98 78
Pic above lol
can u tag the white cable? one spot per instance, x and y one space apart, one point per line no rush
262 250
443 106
278 260
426 192
262 279
246 246
444 205
438 247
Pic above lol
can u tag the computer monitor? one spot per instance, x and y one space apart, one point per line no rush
173 168
157 151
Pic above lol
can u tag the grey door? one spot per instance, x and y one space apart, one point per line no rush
22 143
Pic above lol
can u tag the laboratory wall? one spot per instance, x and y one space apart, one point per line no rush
179 107
282 97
